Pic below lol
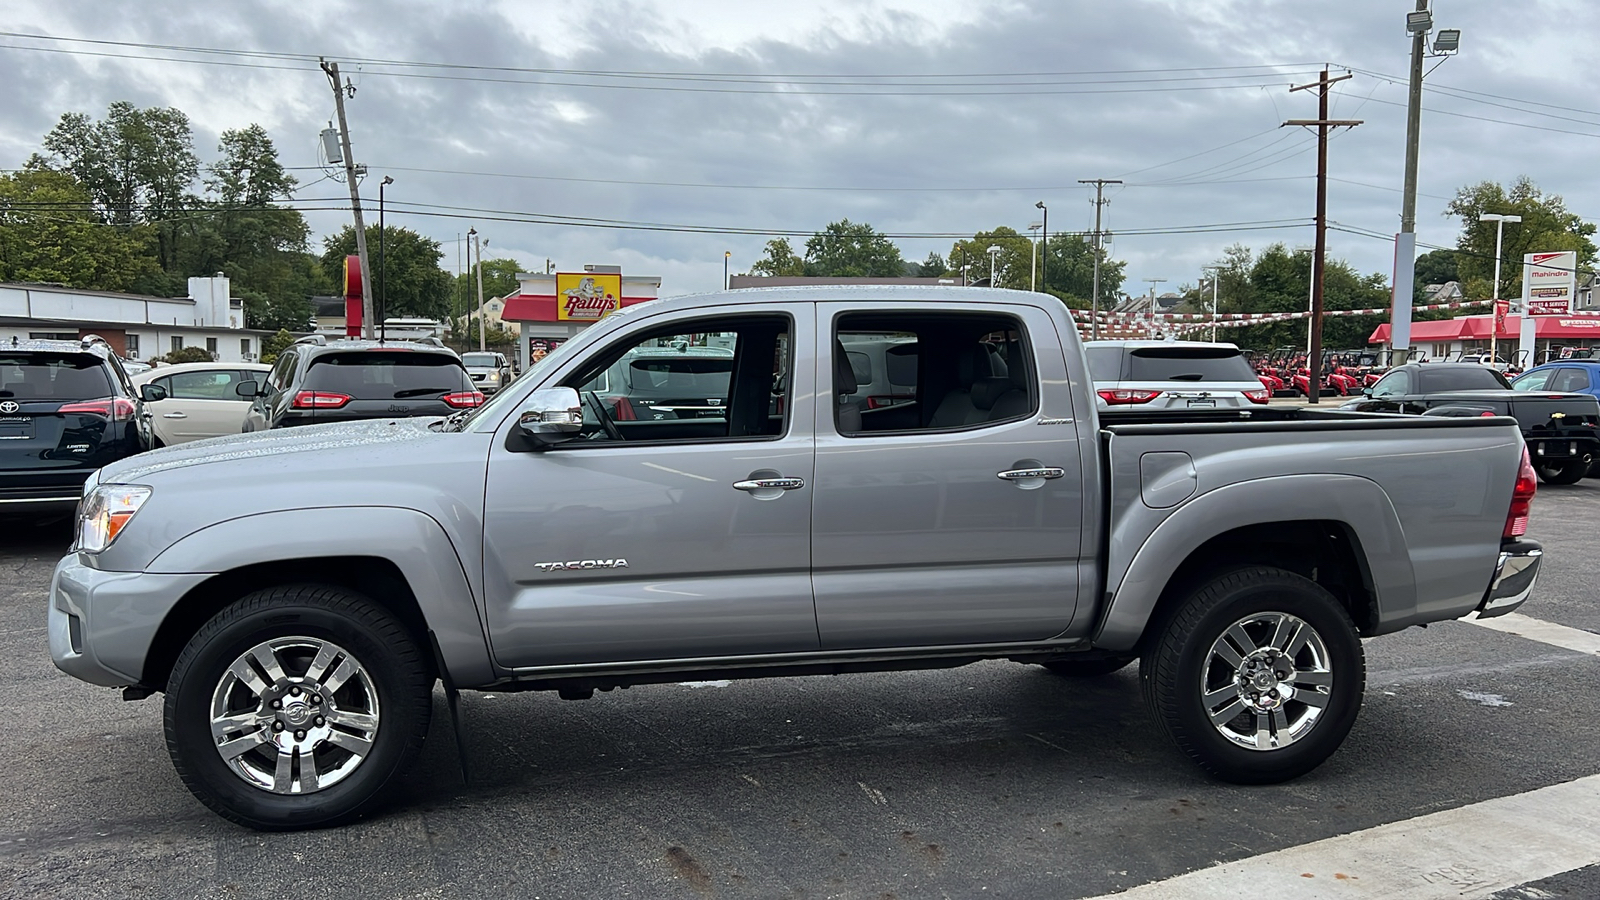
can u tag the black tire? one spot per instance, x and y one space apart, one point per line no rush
1179 663
1594 468
1088 668
391 676
1570 472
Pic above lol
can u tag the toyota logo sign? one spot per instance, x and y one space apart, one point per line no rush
9 406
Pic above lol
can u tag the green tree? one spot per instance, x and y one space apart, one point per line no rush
845 249
274 345
50 232
1279 280
932 267
416 286
1070 269
499 280
1546 226
1434 267
138 166
780 260
1013 264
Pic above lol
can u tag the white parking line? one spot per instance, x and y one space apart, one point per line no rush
1459 854
1542 631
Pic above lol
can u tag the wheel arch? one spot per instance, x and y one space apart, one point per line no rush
1356 545
399 558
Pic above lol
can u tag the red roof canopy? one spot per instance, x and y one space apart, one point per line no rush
543 307
1476 328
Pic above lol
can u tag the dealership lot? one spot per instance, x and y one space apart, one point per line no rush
992 780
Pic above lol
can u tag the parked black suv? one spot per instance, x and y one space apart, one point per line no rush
315 381
66 409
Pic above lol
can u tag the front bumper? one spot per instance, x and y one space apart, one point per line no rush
1514 577
102 624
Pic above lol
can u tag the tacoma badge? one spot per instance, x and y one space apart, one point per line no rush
583 564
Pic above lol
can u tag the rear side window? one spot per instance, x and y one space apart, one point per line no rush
1570 381
1462 378
53 376
387 375
1105 363
1179 363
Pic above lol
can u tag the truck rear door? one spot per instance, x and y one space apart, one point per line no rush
954 518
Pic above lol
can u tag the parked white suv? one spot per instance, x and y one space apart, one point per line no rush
1173 375
489 370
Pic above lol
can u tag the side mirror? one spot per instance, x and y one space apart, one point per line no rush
1366 392
551 415
152 393
247 389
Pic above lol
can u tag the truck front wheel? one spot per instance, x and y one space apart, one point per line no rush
1257 675
296 707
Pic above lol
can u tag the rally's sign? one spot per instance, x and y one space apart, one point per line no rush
586 296
1549 281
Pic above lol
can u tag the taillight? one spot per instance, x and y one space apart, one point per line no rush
1127 398
117 409
464 399
1487 414
1258 396
1521 499
319 400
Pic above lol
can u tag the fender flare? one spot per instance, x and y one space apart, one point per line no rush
413 541
1358 503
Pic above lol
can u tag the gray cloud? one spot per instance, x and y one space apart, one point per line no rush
1026 147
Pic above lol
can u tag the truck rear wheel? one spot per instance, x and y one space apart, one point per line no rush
296 707
1258 675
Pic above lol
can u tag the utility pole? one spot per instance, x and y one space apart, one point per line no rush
339 91
1322 124
483 326
1150 321
1099 201
1405 243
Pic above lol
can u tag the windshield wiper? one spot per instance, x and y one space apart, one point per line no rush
417 392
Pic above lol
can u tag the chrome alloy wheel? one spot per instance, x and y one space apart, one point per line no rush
294 715
1266 681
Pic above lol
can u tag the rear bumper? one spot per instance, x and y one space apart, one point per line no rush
25 491
1514 577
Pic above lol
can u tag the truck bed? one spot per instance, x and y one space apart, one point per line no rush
1422 499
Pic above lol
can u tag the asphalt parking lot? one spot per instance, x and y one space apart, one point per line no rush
995 780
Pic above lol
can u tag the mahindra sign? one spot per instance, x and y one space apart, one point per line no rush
1549 281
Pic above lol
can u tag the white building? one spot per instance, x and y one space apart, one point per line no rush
136 326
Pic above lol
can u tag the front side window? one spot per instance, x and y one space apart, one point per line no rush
1534 381
710 380
278 379
217 385
1393 384
929 372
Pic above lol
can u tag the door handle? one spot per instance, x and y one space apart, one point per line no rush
1046 472
174 415
769 484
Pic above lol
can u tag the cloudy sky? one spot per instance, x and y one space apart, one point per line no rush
925 119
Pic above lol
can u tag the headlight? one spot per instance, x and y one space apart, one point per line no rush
104 512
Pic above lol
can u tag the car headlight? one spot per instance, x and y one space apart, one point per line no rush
104 512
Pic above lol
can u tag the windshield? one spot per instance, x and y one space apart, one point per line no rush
52 376
480 360
388 375
1179 363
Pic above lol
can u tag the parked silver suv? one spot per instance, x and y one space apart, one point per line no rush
1175 375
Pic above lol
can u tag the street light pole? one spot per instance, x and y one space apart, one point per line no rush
726 254
1033 257
1044 253
1418 24
994 254
383 278
1494 326
1216 275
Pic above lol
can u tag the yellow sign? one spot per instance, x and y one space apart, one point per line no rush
587 297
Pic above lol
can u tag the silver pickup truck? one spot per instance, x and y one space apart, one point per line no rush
298 594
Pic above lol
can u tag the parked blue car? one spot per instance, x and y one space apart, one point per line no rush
1564 376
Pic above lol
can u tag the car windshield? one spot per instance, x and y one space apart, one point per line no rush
52 376
479 360
1180 363
388 375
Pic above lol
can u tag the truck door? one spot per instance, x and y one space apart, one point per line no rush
952 517
677 524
